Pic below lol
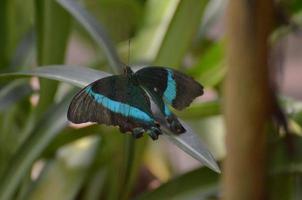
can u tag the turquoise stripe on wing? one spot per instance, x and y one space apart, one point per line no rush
119 107
170 92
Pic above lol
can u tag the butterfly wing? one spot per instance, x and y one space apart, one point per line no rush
113 100
176 88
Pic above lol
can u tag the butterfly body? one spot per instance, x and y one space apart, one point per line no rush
123 100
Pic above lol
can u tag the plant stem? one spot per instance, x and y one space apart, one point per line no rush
248 98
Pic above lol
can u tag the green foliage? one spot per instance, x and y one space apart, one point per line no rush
200 183
43 157
51 44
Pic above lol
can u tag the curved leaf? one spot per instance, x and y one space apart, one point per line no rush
13 92
65 175
96 30
190 143
22 160
163 30
201 110
50 46
75 75
80 76
210 68
197 184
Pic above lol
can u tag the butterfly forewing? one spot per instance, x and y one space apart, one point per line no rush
113 100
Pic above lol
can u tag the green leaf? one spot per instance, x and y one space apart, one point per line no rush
201 110
31 149
210 68
196 184
135 150
93 188
63 177
15 19
51 44
126 16
189 142
75 75
25 51
13 92
286 155
96 30
70 135
285 167
292 7
163 38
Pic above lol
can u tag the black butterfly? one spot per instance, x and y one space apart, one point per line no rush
122 100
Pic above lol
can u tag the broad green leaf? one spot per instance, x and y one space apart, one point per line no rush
10 131
63 177
51 44
286 155
15 19
5 14
285 186
285 167
96 30
167 33
115 168
180 33
14 92
196 184
201 110
189 142
51 123
75 75
25 51
291 7
210 68
126 16
135 150
93 188
298 117
69 135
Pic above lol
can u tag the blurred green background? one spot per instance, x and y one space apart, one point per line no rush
42 156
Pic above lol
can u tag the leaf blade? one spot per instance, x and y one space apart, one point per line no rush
188 142
32 148
196 184
96 30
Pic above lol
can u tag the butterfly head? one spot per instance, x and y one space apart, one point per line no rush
127 71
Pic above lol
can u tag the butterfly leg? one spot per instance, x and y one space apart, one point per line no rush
174 125
138 132
154 132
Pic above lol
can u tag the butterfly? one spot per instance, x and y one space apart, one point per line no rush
124 100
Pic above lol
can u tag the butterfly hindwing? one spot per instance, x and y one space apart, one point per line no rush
172 87
113 100
176 88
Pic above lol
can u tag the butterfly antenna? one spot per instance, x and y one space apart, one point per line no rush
128 52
